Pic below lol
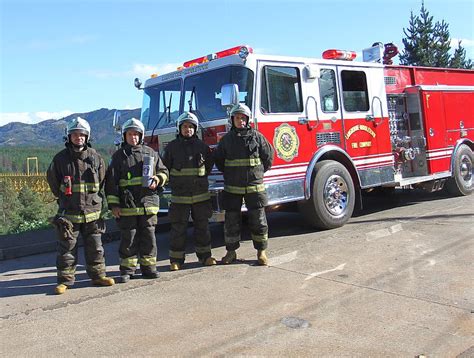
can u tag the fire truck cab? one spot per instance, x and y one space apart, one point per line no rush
337 126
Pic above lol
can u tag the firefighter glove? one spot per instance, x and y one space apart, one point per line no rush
64 227
128 199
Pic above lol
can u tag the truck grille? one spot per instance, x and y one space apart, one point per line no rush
330 137
390 80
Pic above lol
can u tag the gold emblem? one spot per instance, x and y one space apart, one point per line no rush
360 127
286 142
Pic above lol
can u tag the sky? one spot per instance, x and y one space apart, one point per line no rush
60 57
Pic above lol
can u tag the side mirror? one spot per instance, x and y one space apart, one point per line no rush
312 72
138 83
116 120
229 94
117 129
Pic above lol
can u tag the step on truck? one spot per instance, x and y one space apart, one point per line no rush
338 126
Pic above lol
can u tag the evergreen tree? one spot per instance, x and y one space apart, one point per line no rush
428 44
9 208
441 45
459 58
32 207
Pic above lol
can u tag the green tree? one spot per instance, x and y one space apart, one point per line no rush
428 44
32 207
10 207
459 58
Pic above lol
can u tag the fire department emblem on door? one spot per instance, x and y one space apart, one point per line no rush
286 142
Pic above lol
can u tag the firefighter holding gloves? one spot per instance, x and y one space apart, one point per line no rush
244 155
133 177
76 177
189 161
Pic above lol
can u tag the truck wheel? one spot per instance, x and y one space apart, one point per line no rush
332 196
461 183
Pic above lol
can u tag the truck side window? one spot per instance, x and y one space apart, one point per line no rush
281 90
328 91
354 91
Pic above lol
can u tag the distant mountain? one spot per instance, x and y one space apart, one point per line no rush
50 132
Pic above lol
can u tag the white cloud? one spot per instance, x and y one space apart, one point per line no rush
144 70
464 43
140 70
31 117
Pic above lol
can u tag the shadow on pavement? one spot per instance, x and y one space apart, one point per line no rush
282 224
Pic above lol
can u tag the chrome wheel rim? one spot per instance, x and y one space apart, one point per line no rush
465 170
336 195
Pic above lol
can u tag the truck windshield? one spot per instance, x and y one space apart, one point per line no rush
160 106
163 103
203 91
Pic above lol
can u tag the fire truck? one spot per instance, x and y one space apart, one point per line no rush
338 126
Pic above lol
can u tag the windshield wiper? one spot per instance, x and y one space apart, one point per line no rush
168 109
190 102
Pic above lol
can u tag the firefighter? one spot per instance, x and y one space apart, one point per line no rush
133 177
189 161
76 177
243 155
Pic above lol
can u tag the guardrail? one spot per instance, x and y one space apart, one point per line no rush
36 182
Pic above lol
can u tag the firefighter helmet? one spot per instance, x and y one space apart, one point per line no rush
133 124
240 108
80 125
187 117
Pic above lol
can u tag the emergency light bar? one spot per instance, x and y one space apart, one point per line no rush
243 51
334 54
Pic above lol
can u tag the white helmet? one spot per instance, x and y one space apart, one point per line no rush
134 124
80 125
240 108
187 117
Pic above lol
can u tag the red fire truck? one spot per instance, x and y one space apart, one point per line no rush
338 126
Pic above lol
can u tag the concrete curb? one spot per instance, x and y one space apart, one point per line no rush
41 241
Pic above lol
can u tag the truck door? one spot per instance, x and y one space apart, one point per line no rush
278 106
365 120
330 124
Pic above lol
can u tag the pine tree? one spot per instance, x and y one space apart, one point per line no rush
459 58
441 45
428 44
419 38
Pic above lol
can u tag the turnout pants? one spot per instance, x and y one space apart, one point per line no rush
257 219
137 244
179 218
67 256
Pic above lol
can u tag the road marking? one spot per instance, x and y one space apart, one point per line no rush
283 259
396 228
314 274
378 234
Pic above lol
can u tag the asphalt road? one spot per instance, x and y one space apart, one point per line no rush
396 281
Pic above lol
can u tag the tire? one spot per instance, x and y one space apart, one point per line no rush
462 181
332 196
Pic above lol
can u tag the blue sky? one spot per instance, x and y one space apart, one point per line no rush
64 56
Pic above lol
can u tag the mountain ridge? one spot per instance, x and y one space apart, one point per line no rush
50 132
